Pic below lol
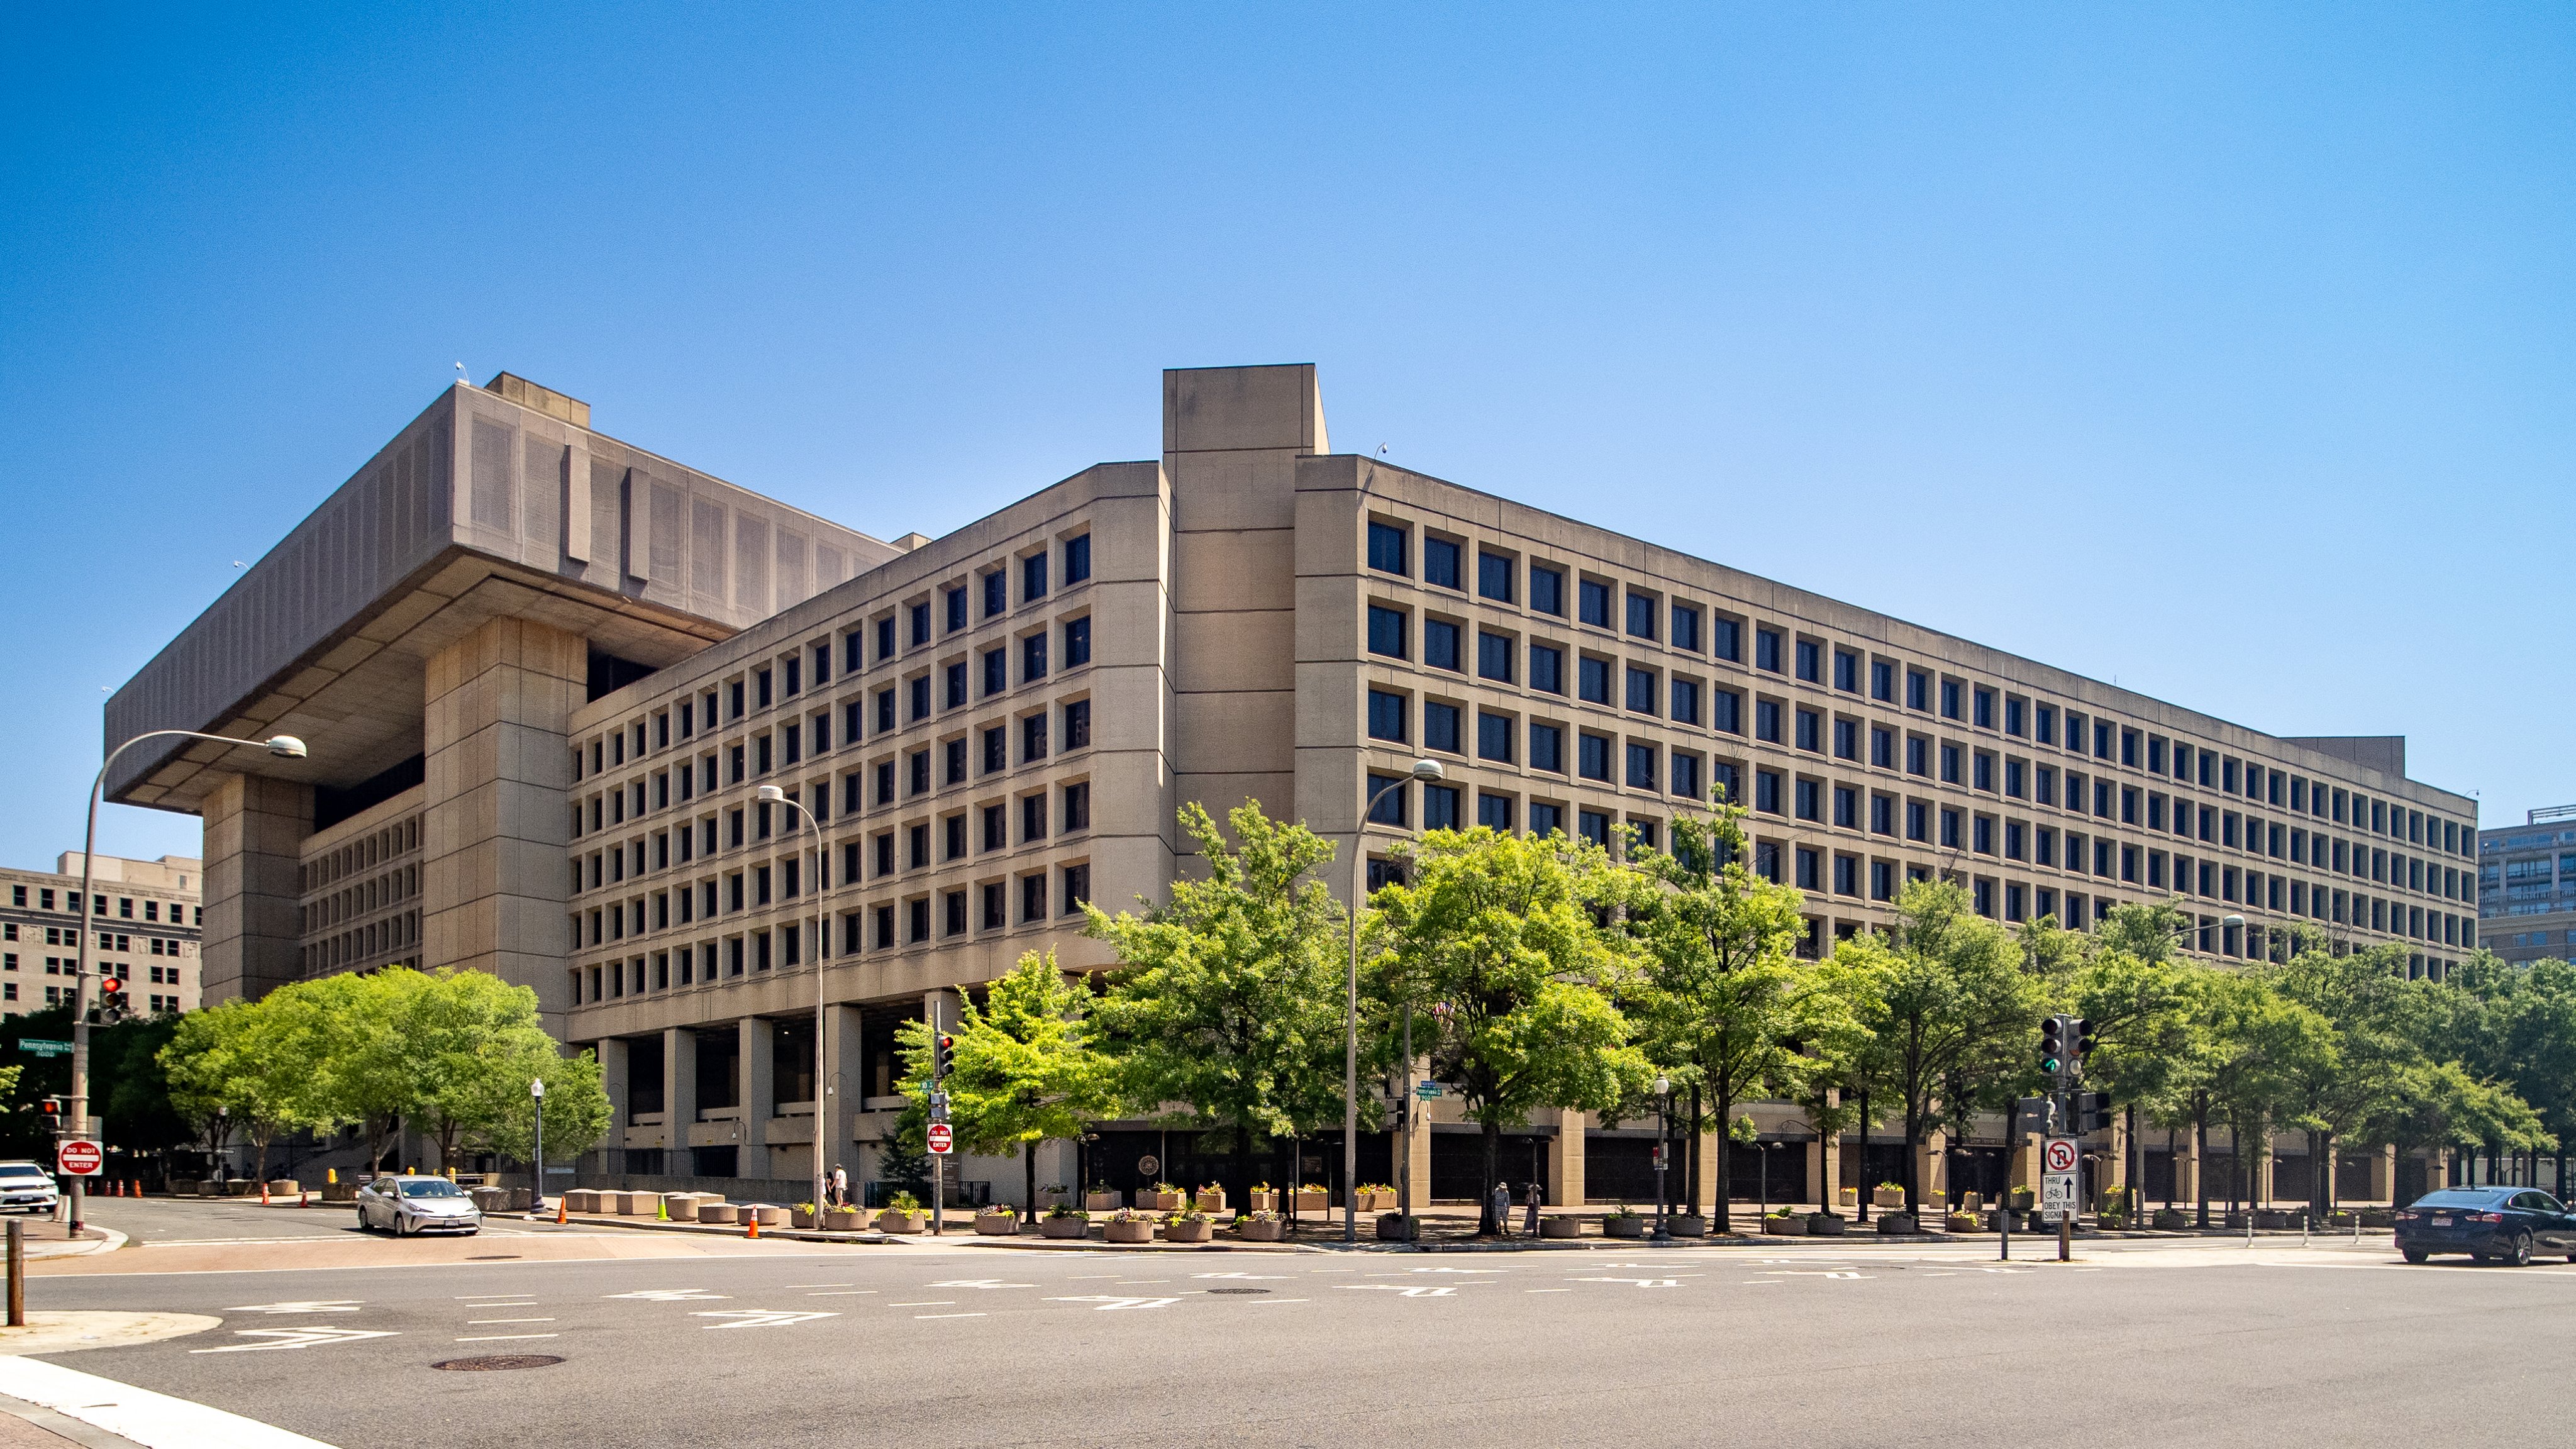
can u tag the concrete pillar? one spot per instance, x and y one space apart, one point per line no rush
679 1096
759 1093
1565 1159
494 829
254 834
842 1089
621 1113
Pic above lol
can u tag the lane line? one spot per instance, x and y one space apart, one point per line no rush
155 1421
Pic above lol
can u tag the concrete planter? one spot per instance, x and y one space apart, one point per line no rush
845 1220
1792 1226
1825 1225
1560 1227
997 1225
1064 1227
1619 1227
1261 1230
1686 1225
1188 1230
1128 1230
716 1212
894 1220
1899 1224
1397 1228
1101 1202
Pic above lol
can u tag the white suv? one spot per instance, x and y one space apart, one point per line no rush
25 1187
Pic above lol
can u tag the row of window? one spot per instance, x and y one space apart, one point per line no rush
987 907
40 898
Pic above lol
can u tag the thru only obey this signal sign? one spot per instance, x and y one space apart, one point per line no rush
942 1138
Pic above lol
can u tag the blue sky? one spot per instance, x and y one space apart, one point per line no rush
2225 353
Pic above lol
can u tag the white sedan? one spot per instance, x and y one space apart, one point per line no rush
408 1205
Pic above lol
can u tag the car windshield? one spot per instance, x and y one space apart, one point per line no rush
431 1187
2462 1197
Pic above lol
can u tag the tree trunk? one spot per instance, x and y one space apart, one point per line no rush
1486 1226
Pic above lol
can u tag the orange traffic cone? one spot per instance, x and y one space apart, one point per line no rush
753 1231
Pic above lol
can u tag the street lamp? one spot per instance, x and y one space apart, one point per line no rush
1425 770
285 747
1663 1156
537 1163
772 795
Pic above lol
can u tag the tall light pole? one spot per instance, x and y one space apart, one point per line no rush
772 795
1422 770
76 1120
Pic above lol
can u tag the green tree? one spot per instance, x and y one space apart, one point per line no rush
1502 936
1723 1001
1950 988
1023 1069
1229 1014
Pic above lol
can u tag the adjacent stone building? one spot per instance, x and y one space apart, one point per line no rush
544 674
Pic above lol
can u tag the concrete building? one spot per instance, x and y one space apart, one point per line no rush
149 921
544 673
2527 886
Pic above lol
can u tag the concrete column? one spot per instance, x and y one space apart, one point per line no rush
842 1090
679 1096
1565 1159
493 823
254 833
759 1093
621 1113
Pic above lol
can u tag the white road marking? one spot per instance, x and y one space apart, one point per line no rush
294 1338
673 1295
759 1317
1105 1303
322 1305
155 1421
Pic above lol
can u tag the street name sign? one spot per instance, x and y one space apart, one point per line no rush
941 1138
80 1158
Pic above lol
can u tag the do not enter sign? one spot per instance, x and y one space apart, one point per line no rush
80 1159
941 1140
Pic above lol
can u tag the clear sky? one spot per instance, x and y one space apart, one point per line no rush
2225 353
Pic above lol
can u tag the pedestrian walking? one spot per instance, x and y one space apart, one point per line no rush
1503 1208
1529 1225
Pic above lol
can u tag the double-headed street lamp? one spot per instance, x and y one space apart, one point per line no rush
1422 770
76 1119
772 795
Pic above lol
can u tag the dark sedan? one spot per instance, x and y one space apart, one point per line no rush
2490 1224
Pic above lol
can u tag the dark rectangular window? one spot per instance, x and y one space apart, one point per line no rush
1547 591
1440 562
1593 596
1547 669
1386 548
1440 645
1386 631
1547 749
1440 727
1386 716
1494 577
1494 657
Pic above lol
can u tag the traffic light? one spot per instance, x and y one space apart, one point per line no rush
2052 1046
942 1055
2092 1112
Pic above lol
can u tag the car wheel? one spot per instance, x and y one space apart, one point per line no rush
2416 1255
2520 1254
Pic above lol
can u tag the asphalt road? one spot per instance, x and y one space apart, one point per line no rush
2205 1343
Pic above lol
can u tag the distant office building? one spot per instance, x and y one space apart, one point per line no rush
544 673
2527 886
149 921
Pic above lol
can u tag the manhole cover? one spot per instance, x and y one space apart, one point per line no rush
491 1361
492 1258
1238 1290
